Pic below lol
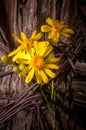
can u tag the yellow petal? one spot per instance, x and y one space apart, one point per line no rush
51 59
38 36
29 76
38 77
52 66
68 30
48 51
23 36
43 43
30 50
65 34
62 24
24 56
33 34
15 57
49 73
41 47
17 38
56 22
44 77
49 21
45 28
20 55
24 72
36 47
51 34
14 52
21 61
56 37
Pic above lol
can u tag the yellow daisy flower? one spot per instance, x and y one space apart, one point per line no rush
56 29
25 44
40 65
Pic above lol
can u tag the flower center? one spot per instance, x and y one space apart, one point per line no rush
37 62
29 42
56 27
26 43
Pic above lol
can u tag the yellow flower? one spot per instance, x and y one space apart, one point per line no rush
56 29
40 65
25 44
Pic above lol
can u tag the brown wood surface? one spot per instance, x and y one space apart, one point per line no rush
27 15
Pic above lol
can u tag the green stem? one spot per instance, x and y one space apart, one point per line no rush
50 109
52 90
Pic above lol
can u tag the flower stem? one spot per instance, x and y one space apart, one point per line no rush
49 106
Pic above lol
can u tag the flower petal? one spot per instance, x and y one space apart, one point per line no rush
68 30
45 28
21 61
36 47
49 73
13 52
49 21
24 72
51 59
38 36
40 47
29 76
17 38
23 36
30 50
56 37
65 34
51 66
20 55
48 51
38 77
62 23
56 22
44 77
51 34
33 34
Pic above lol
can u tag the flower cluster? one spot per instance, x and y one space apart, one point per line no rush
34 58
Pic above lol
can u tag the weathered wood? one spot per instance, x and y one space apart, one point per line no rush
80 68
27 15
17 16
79 91
79 84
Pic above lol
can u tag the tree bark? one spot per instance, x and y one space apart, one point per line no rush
27 15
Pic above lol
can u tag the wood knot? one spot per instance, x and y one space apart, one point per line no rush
22 2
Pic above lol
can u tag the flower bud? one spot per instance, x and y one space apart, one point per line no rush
15 69
5 59
21 67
